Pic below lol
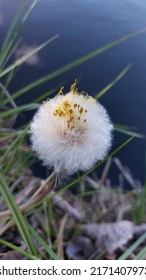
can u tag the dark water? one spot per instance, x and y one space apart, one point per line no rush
84 26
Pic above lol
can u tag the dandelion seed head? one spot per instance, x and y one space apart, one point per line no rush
71 132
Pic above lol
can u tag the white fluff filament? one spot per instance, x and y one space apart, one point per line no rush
71 132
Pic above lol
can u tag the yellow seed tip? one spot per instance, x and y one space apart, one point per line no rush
60 91
73 87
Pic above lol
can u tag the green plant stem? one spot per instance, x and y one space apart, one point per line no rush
17 216
132 248
19 250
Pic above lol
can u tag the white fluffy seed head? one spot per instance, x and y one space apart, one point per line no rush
71 132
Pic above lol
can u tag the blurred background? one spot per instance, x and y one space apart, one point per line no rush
84 26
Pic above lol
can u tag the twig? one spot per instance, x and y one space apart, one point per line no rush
6 227
44 183
126 173
92 182
22 195
60 237
105 171
16 183
67 208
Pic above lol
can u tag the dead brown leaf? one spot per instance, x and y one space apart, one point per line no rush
80 248
109 236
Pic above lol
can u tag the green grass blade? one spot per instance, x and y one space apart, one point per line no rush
10 38
19 250
14 144
11 30
4 88
141 255
14 31
28 12
17 216
126 130
132 248
11 52
74 64
24 58
20 109
110 85
43 243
